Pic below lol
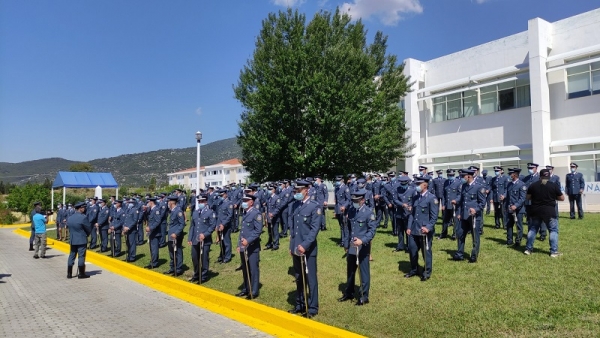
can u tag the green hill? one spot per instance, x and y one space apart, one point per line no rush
129 170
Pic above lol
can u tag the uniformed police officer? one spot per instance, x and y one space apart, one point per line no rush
103 214
305 220
225 214
479 180
142 219
438 184
80 228
498 185
403 200
342 203
451 194
389 189
273 210
488 188
117 226
470 204
153 231
130 229
204 222
248 247
362 230
92 215
516 191
162 204
361 184
322 198
575 184
421 229
175 237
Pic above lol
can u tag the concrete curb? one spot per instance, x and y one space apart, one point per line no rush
269 320
21 225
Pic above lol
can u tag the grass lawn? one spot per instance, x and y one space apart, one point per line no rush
506 293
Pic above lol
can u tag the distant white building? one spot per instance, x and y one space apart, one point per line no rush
528 97
216 175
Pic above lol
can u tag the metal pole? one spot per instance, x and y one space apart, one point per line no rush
52 207
197 171
64 195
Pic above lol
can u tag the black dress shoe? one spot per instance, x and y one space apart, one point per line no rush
410 274
361 302
543 238
453 237
572 217
193 280
226 261
424 278
398 250
219 260
268 247
170 272
162 246
296 310
345 298
458 259
149 267
251 297
473 260
275 248
310 315
241 294
497 227
238 268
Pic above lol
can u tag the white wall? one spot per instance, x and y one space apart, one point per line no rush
574 118
576 32
503 128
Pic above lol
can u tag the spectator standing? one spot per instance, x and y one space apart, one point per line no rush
39 221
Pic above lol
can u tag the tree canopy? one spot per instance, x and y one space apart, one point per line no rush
317 99
81 167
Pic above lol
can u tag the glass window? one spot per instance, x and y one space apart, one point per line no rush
439 109
587 168
582 158
489 102
470 103
596 82
578 70
523 96
506 95
579 85
580 147
595 65
454 106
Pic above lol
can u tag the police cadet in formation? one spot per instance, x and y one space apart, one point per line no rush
175 237
162 203
153 230
273 210
479 180
384 207
305 222
403 200
363 225
116 227
361 184
181 201
204 222
142 219
498 185
130 228
488 189
102 221
469 206
80 229
574 185
62 222
516 192
532 177
342 202
37 208
543 195
192 201
58 216
438 185
451 194
421 229
388 196
92 215
248 247
287 197
376 189
225 213
322 198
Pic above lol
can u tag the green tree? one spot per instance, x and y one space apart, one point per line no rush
152 185
21 198
81 167
318 99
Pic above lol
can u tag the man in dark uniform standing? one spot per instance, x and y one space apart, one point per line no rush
342 202
470 204
421 227
249 247
403 200
451 194
363 225
498 185
92 215
204 221
175 237
225 215
130 228
305 223
80 229
103 215
153 230
575 184
117 227
516 192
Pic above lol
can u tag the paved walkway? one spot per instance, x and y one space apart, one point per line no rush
37 300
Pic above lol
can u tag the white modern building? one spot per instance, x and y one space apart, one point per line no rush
528 97
216 175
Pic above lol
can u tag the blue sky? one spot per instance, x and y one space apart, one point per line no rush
90 79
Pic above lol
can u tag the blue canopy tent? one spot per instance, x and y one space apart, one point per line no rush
67 179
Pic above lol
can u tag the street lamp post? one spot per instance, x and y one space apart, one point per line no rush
198 139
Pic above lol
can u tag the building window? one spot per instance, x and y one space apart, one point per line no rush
506 95
583 80
227 172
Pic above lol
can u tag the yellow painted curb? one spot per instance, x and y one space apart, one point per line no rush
269 320
21 225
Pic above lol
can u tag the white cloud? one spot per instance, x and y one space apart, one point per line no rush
199 111
388 11
287 3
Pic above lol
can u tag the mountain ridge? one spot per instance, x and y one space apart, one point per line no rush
131 170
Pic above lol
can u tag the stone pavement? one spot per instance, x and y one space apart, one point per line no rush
37 300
